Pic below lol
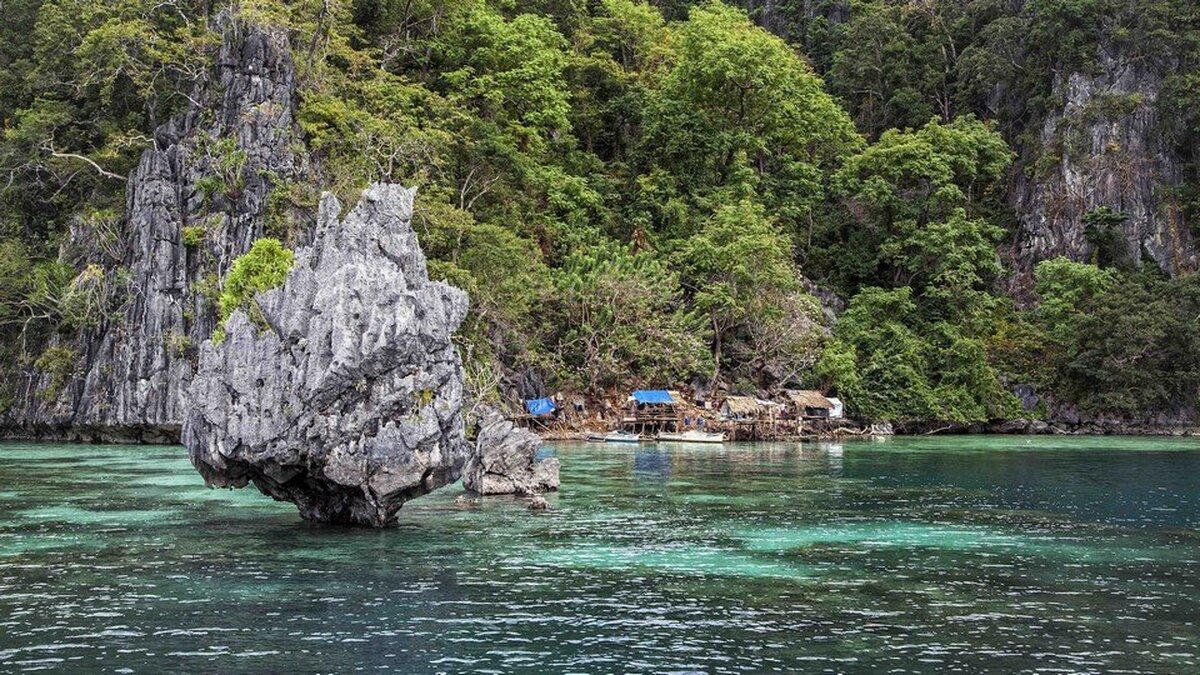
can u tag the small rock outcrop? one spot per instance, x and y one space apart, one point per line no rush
348 402
505 460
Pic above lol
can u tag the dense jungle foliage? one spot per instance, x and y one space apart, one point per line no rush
651 193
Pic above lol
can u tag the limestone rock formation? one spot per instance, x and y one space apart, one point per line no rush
788 19
212 171
1104 148
349 401
505 460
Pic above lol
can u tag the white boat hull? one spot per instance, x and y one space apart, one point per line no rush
622 438
691 437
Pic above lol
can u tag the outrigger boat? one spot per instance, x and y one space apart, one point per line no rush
691 436
622 437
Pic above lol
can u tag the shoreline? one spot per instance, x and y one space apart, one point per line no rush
1003 428
170 434
1159 433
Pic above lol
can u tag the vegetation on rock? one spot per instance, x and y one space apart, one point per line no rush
263 267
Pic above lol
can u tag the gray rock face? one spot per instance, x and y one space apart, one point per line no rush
1111 152
786 18
350 403
212 169
505 460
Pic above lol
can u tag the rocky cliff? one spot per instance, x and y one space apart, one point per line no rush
347 400
1103 180
1102 169
790 19
205 190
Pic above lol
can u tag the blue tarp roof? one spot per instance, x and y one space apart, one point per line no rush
653 396
539 406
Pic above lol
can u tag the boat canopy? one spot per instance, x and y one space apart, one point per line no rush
540 406
653 396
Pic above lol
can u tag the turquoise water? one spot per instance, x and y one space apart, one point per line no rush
949 554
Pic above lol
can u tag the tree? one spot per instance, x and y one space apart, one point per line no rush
919 208
1068 291
507 283
919 205
879 71
737 97
619 315
102 75
736 268
876 362
1118 343
510 71
890 363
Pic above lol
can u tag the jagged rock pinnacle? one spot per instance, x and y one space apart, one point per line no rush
350 402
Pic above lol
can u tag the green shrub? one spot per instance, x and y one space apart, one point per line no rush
209 288
209 186
1102 229
263 267
1111 107
193 235
178 343
228 163
59 364
85 301
283 201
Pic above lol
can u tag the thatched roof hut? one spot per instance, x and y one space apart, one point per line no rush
809 403
741 407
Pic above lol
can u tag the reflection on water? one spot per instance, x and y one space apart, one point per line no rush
834 451
652 464
966 554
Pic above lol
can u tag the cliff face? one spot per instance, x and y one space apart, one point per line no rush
198 199
348 402
1103 175
786 18
1099 176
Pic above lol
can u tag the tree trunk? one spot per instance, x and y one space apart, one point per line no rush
716 352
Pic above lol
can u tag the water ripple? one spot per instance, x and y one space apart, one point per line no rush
912 556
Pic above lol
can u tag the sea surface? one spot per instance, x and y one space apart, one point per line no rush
931 555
